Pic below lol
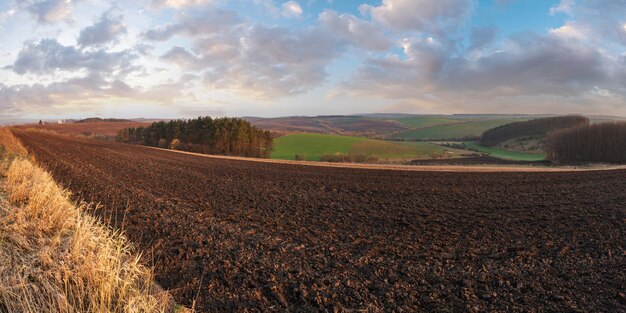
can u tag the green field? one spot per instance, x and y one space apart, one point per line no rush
313 146
505 154
460 130
425 121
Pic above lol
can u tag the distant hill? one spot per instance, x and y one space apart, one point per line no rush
340 125
314 147
438 128
533 129
102 120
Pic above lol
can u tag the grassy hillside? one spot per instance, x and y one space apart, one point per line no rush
313 146
470 129
344 125
505 154
425 121
537 128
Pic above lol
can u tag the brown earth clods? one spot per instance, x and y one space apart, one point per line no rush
479 160
250 236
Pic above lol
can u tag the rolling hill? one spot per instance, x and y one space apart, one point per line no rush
462 129
313 146
537 129
339 125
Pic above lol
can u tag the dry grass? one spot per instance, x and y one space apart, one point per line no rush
56 258
10 143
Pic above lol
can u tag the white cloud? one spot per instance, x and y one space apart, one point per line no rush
49 11
358 32
181 57
568 30
178 4
601 21
565 6
48 56
528 67
107 29
291 9
83 90
248 59
411 52
195 24
271 62
420 15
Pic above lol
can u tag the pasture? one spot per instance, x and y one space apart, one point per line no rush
460 130
313 146
426 121
505 154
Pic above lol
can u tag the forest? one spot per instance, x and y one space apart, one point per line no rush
597 143
224 136
533 128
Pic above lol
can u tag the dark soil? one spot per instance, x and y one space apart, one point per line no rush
478 160
247 236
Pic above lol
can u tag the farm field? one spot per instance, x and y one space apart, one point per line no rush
239 235
505 154
313 146
102 129
426 121
343 125
459 130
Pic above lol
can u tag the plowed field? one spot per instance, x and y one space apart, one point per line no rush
238 235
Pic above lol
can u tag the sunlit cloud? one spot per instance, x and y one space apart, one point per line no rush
234 57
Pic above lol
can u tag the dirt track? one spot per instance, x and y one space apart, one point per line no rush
239 235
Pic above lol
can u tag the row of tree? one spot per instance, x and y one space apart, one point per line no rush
533 128
225 136
599 143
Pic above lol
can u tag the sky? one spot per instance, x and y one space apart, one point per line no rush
186 58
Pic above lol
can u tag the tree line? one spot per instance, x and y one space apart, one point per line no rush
224 136
533 128
600 143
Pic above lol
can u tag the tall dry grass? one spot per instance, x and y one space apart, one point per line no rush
10 143
56 258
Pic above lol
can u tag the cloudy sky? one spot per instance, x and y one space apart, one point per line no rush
183 58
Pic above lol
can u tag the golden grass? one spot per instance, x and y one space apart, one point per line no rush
54 257
10 143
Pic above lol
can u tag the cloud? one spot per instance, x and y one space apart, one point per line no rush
569 30
527 67
83 90
48 56
195 111
252 60
106 30
481 37
534 65
420 15
291 9
358 32
272 62
565 6
49 11
599 21
575 66
178 4
195 24
181 57
413 52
